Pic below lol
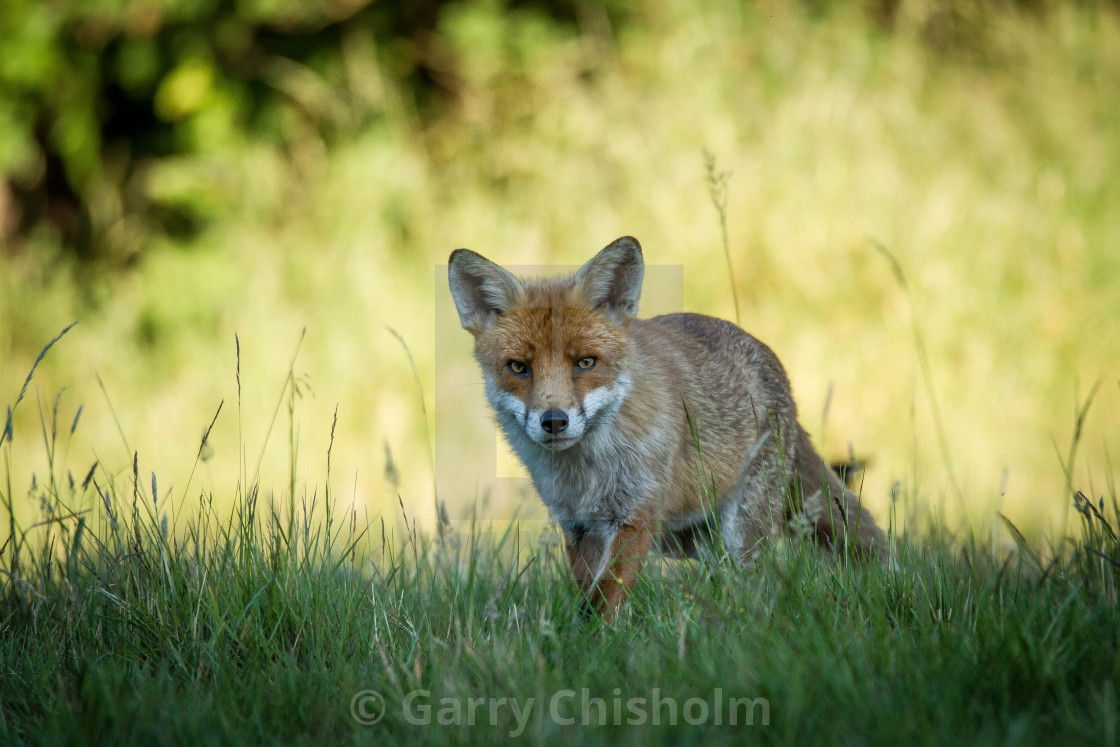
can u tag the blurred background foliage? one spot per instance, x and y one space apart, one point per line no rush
100 96
173 172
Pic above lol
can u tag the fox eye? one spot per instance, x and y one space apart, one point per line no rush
519 368
585 363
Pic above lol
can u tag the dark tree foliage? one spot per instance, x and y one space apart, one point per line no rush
94 92
91 92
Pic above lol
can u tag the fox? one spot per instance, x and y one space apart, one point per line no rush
677 433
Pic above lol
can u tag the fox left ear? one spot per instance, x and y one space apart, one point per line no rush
481 289
612 279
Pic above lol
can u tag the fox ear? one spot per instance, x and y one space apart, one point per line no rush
612 279
480 288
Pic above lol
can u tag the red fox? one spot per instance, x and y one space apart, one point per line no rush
679 430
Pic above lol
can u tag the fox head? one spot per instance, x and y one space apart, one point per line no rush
554 351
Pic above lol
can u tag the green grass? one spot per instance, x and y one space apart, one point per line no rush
131 613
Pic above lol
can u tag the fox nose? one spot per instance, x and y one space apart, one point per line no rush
554 421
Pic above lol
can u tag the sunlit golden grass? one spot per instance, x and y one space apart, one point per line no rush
987 169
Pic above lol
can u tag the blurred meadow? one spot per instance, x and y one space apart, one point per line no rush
922 216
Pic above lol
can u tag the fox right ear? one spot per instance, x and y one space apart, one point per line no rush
481 289
612 279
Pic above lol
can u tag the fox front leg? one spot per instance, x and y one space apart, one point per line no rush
606 562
